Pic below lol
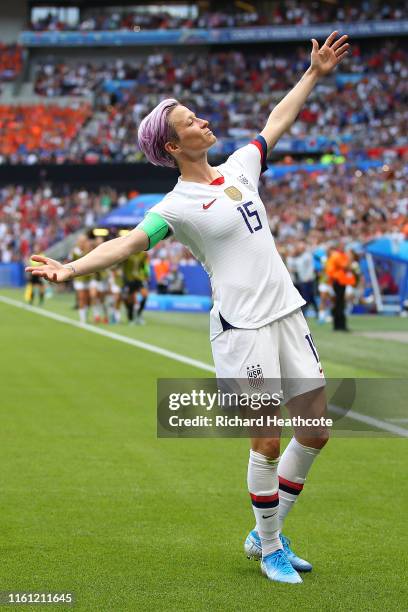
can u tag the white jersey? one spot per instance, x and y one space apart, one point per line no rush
224 224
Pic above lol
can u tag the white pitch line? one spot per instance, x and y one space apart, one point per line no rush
397 420
108 334
368 420
356 416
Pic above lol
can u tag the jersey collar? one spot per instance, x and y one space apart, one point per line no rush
220 180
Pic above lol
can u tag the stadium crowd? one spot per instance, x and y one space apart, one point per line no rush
337 204
43 132
322 207
45 215
290 12
225 72
11 61
365 103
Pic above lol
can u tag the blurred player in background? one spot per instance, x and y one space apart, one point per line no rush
98 289
136 274
306 276
257 326
35 284
326 293
82 282
115 286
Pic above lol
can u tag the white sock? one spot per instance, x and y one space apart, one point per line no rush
263 489
117 315
293 468
82 315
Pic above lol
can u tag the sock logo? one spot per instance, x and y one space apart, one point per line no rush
269 515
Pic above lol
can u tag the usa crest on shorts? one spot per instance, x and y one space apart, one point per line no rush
255 376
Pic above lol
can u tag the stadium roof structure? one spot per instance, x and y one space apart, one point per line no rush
132 212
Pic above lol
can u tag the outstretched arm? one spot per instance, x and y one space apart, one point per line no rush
323 61
104 256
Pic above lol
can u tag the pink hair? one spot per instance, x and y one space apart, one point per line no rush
154 131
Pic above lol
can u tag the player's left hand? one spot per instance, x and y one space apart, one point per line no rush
326 58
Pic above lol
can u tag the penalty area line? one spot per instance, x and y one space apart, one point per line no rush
351 414
108 334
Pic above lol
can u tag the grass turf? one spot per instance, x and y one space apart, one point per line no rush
93 503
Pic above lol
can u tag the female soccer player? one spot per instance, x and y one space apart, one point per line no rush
82 282
257 327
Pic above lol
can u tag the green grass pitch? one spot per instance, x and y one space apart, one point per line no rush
93 503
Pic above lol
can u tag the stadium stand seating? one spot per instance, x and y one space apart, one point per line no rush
290 12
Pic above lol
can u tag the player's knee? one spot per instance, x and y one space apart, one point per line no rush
322 439
269 447
317 440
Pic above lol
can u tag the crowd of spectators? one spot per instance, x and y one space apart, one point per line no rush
216 72
313 209
364 103
45 215
35 133
337 204
11 61
290 12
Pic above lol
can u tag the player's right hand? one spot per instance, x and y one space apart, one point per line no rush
50 269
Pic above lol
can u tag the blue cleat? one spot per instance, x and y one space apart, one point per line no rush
252 546
277 567
253 550
297 563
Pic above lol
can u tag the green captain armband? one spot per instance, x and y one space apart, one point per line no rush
155 227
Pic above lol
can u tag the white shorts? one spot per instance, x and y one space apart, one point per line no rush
325 288
81 285
115 289
350 291
99 286
283 351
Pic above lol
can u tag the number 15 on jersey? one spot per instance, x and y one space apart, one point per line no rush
251 217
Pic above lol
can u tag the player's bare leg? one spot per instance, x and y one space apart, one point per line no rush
144 295
83 304
130 305
298 457
94 303
117 305
102 298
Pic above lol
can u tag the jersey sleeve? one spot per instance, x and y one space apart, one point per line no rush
252 159
162 220
155 227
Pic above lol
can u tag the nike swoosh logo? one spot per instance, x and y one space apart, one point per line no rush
206 206
269 515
